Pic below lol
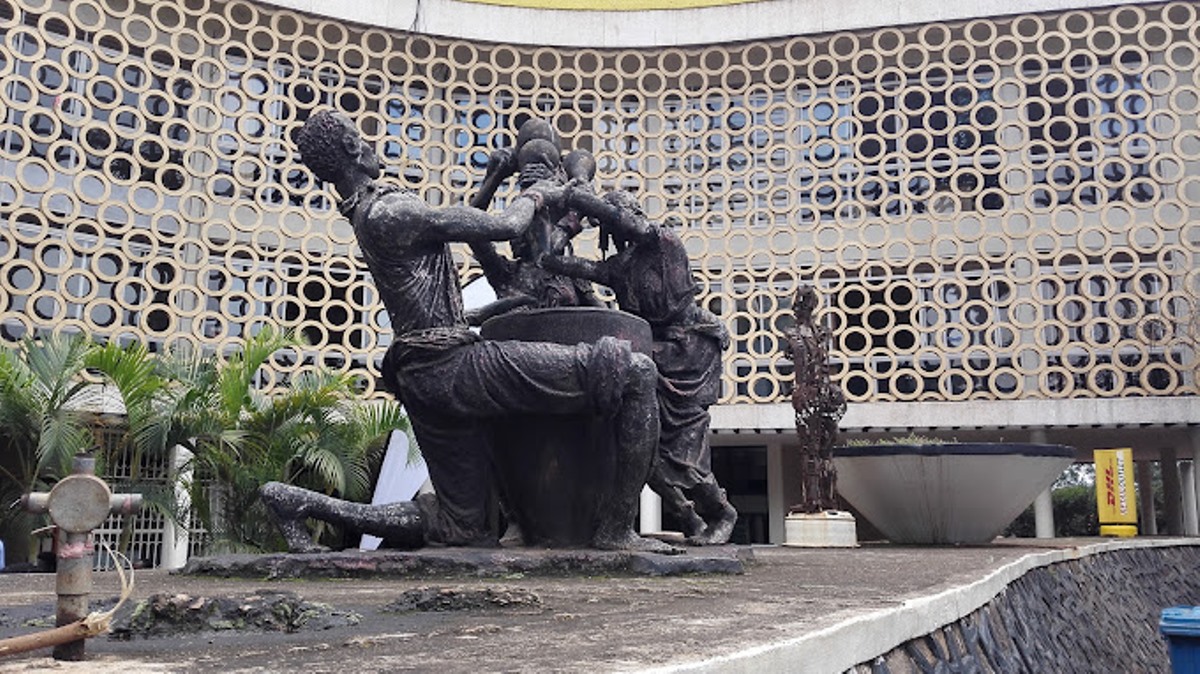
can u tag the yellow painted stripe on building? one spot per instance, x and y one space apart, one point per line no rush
611 5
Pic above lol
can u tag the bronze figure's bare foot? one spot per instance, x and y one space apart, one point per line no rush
400 525
286 507
718 531
630 541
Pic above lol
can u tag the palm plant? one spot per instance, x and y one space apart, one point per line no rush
149 436
42 425
313 433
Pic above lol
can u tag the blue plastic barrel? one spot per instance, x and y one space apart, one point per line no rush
1181 625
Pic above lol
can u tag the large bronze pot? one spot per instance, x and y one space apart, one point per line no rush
551 468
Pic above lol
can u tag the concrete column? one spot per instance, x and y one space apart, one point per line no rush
650 520
1187 477
1195 438
776 503
1043 514
1043 505
1148 526
176 539
1172 493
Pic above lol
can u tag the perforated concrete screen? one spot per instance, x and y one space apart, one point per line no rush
992 209
610 5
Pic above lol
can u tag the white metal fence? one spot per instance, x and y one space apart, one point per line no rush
153 537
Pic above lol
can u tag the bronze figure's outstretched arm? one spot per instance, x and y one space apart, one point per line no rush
594 207
476 317
496 268
463 223
577 267
502 163
627 223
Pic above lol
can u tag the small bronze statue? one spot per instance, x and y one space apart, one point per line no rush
651 278
452 382
819 404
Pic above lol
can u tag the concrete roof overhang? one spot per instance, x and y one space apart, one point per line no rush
718 24
1145 424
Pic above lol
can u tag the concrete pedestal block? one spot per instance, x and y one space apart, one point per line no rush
828 529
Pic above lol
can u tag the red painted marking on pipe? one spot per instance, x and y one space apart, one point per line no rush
75 550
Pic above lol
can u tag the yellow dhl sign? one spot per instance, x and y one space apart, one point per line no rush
1116 499
611 5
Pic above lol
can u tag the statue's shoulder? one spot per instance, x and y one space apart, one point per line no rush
390 211
391 199
666 238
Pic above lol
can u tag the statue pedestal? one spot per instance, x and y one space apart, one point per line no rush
827 529
552 468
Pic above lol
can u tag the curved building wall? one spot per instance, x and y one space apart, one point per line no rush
993 208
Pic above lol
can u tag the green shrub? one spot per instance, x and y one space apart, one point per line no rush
1074 514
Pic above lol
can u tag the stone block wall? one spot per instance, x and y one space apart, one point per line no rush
1096 614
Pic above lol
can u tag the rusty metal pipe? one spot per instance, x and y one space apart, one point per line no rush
78 504
125 504
73 584
36 503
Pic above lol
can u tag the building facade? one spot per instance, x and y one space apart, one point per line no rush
1001 210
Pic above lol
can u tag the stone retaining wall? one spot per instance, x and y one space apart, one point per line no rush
1095 614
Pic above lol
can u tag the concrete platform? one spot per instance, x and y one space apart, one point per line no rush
472 562
796 609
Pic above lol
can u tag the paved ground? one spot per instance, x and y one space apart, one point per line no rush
582 624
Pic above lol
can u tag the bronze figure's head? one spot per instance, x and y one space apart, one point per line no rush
332 149
804 303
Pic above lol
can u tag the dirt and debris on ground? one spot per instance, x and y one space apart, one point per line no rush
461 599
516 623
167 614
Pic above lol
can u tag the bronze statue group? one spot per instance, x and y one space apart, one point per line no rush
453 382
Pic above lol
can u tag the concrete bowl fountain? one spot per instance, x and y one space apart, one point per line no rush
956 493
